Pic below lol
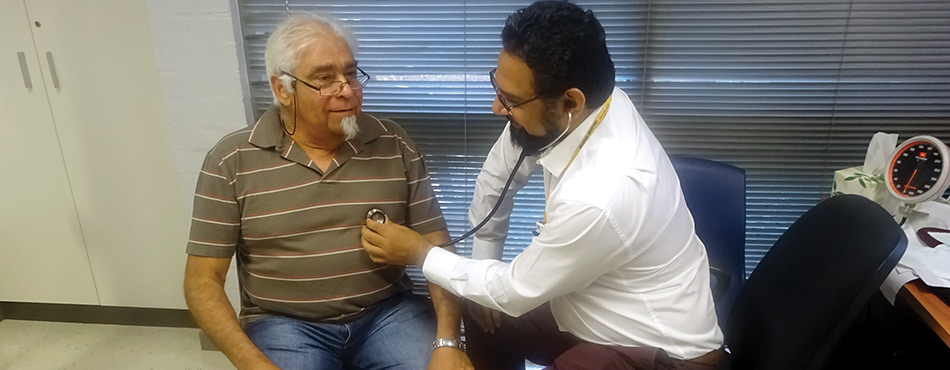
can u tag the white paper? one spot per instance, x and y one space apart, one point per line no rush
931 265
895 280
943 238
879 153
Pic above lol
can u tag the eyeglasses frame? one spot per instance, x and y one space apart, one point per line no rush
362 79
504 102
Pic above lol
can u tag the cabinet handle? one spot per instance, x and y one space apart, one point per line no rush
25 69
52 69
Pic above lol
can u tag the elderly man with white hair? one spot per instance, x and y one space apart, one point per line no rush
288 196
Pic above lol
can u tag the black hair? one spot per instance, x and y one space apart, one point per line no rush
564 46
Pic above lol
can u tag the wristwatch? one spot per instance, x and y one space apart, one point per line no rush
444 342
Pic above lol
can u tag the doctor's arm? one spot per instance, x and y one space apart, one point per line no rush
489 241
499 164
568 255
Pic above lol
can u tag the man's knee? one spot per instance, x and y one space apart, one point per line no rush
399 336
292 344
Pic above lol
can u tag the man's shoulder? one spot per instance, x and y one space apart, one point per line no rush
382 125
231 142
375 127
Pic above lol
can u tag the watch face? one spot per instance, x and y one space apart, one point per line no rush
918 170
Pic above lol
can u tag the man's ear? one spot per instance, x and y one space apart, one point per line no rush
279 84
574 101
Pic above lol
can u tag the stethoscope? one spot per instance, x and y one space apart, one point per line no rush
378 215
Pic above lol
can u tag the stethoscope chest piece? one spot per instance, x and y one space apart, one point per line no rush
377 215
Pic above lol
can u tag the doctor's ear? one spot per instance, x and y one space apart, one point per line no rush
574 101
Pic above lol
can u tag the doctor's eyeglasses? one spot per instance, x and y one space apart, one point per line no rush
502 99
334 88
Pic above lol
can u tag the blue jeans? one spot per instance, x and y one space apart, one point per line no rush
395 334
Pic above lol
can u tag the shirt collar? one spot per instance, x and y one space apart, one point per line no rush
267 132
556 158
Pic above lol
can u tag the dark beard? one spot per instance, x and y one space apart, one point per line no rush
530 144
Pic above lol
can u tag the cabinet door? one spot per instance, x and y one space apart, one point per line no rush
42 255
107 105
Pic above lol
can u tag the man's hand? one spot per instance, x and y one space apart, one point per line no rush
394 244
487 318
447 358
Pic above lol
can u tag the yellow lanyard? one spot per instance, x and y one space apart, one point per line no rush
597 121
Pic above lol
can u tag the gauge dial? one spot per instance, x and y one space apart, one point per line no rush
918 170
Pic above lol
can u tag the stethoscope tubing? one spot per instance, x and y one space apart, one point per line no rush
494 208
378 215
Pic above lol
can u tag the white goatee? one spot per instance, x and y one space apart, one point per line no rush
350 128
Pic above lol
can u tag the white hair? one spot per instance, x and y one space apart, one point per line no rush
293 35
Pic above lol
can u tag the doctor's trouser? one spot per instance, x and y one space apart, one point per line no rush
535 336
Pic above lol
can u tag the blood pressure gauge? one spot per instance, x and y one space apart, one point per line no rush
919 170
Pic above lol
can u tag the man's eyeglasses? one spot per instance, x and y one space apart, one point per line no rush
503 100
334 88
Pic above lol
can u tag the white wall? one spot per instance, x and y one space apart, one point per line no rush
198 51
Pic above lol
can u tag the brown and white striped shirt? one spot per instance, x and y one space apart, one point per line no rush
296 228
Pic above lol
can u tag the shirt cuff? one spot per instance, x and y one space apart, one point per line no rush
438 267
487 250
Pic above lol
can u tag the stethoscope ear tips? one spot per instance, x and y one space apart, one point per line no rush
377 215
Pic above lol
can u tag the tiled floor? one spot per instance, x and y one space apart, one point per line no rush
29 345
40 345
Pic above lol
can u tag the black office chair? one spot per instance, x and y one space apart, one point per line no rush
808 289
715 195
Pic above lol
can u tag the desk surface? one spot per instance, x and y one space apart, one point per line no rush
930 307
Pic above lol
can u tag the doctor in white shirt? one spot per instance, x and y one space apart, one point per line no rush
615 277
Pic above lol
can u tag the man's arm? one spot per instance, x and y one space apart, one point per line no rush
204 294
448 316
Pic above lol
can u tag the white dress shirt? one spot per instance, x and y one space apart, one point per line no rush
618 258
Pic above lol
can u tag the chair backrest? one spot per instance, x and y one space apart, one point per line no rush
715 195
810 286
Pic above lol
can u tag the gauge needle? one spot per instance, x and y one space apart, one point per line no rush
907 186
920 160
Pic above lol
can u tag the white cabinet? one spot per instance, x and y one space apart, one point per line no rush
42 255
96 110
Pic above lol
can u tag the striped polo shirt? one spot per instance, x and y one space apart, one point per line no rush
296 229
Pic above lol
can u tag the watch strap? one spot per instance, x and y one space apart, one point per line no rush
445 342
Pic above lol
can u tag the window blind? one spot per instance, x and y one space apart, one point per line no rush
793 90
787 90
